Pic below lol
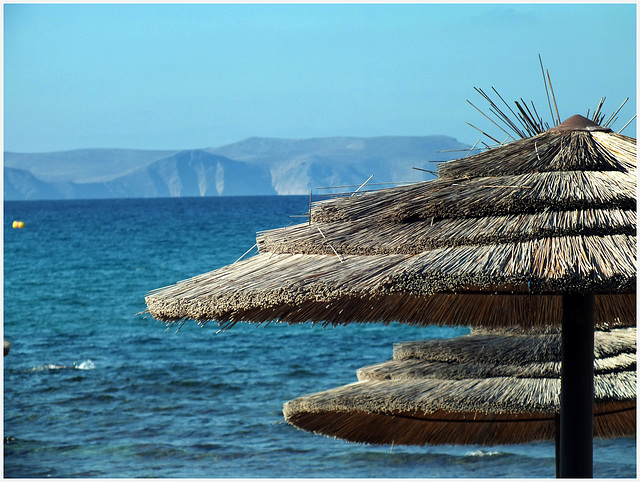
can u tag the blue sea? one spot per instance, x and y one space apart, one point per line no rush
137 400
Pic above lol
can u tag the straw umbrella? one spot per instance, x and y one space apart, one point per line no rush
496 240
481 389
540 232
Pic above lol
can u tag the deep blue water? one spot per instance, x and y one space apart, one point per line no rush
147 402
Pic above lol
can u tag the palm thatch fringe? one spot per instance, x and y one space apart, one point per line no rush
619 146
467 397
550 265
446 428
556 265
523 311
513 349
417 369
367 236
549 151
484 356
487 196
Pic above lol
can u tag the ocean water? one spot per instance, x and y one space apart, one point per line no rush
92 390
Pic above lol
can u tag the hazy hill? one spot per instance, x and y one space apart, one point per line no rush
21 184
351 149
298 166
192 174
255 166
82 165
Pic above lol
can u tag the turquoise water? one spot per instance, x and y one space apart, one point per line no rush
143 401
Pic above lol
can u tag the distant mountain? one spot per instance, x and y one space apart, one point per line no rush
21 184
83 165
297 166
255 166
193 174
184 174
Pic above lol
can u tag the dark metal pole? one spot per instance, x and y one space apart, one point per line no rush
557 427
576 392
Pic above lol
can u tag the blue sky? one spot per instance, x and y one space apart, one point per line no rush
171 76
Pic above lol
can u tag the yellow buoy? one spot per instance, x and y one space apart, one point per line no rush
18 224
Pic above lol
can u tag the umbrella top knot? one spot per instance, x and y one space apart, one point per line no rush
578 123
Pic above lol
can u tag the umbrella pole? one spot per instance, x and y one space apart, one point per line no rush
576 387
557 427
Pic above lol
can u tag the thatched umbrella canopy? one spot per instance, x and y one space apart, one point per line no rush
495 240
540 232
480 389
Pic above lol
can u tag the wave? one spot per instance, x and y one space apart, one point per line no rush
485 453
85 365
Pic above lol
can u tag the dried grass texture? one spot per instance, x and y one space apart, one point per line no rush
459 392
387 288
367 237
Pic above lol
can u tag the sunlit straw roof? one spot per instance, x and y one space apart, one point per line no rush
485 389
495 240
